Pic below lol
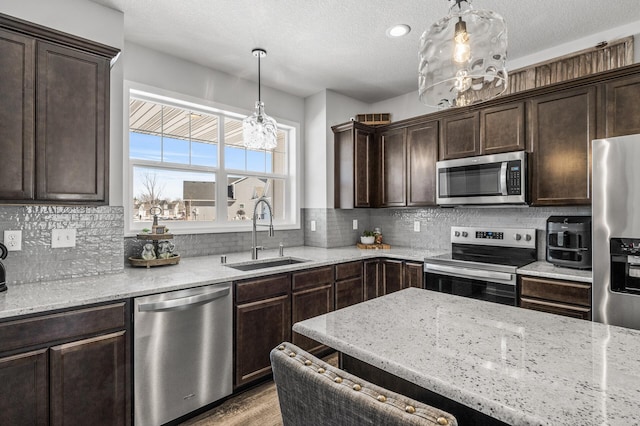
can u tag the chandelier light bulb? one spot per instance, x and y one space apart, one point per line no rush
462 48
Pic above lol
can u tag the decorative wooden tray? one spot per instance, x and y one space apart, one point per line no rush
373 246
137 261
154 237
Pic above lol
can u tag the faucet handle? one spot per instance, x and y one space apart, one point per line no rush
281 247
260 247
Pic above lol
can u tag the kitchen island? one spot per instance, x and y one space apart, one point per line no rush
518 366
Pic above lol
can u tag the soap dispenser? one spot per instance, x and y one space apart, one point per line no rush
3 272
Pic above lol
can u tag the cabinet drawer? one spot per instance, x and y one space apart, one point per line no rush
61 326
348 270
556 308
262 288
312 278
558 291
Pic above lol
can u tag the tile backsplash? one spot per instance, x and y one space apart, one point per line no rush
102 249
99 242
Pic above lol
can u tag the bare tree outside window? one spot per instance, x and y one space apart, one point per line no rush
151 189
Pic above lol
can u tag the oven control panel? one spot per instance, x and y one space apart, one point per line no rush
494 236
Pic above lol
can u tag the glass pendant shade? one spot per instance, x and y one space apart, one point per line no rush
463 58
259 131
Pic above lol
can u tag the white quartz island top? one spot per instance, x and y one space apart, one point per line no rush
519 366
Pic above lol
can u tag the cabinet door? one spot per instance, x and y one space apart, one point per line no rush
557 308
622 114
16 116
354 185
260 326
372 281
72 110
413 274
392 275
561 127
307 304
24 386
88 381
502 129
393 155
459 136
422 154
349 292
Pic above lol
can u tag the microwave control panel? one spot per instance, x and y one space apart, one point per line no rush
514 179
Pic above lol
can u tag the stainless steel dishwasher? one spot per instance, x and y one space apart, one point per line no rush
182 352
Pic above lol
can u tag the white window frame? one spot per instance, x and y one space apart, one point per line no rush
291 177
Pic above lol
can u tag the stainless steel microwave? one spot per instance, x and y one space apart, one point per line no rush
483 180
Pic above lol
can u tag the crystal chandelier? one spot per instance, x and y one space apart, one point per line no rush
462 58
259 131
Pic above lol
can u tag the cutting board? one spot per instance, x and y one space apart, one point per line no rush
373 246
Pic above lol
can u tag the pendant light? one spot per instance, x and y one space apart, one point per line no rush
259 131
463 58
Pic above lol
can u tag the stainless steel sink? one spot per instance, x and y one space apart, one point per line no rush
266 263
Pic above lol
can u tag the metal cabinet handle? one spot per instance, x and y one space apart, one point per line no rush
182 303
469 273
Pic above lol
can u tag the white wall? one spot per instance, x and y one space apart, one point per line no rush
315 161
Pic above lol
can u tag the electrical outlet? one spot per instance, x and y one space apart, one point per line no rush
63 238
13 240
416 226
313 226
355 223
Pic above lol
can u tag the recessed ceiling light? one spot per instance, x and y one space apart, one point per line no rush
398 30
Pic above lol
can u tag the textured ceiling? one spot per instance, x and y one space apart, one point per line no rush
341 45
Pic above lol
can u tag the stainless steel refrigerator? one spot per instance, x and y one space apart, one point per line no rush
616 231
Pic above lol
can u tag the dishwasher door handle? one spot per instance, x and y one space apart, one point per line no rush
182 303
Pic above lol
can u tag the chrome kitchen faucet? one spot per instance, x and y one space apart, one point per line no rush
254 237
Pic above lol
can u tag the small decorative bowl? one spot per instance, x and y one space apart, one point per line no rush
367 240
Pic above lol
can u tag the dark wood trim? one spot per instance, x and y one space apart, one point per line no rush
55 36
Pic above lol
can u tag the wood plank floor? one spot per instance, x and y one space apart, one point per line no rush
256 407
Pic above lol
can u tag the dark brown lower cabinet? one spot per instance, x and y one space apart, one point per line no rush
74 370
262 321
371 271
312 295
568 298
24 386
95 398
349 287
414 274
392 275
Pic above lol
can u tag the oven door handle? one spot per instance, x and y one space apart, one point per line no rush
468 273
503 178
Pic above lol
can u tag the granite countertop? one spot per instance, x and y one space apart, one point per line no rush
520 366
29 298
547 270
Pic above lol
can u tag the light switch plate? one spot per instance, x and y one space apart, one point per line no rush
63 238
13 240
416 226
355 223
313 226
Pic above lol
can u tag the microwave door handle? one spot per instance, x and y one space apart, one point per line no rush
469 273
503 178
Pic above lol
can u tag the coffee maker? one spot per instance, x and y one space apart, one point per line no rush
3 272
569 241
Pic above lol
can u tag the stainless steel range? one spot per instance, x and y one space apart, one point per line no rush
482 263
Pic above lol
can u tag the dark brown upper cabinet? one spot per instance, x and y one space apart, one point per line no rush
57 107
622 109
459 136
354 184
422 154
16 115
562 126
502 129
393 157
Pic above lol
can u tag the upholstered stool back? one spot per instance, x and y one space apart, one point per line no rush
312 392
